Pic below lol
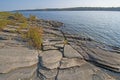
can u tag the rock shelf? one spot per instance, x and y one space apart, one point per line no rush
55 62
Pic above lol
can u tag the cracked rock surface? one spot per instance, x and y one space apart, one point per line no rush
55 62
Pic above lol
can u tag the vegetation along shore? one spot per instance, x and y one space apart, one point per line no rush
37 49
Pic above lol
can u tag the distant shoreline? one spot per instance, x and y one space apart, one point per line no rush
76 9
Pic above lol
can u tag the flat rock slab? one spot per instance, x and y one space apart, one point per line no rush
48 73
50 48
51 56
51 65
19 74
11 43
69 52
107 59
68 63
16 57
50 59
84 72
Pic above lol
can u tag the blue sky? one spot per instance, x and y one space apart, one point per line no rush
8 5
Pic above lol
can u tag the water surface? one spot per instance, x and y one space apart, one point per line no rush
102 26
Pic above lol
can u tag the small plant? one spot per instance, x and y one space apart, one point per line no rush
21 27
65 43
11 22
34 37
3 24
19 17
32 18
5 15
24 25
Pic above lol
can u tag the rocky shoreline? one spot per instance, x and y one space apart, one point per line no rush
80 59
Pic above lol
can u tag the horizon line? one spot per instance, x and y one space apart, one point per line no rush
65 8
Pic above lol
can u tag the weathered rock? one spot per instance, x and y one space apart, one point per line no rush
48 73
10 30
109 60
50 48
16 57
67 63
55 23
50 59
35 76
96 53
69 52
19 74
53 43
84 72
2 45
51 65
7 36
51 79
51 56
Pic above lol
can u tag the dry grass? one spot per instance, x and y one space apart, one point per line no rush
3 24
34 37
32 18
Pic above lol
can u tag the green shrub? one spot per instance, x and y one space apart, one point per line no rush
65 42
5 15
18 17
32 18
11 22
3 24
21 27
34 37
24 25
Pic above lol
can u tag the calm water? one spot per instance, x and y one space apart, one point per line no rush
103 26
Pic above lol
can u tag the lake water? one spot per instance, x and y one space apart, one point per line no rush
102 26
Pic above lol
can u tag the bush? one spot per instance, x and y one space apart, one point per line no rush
3 19
12 22
18 17
21 27
34 37
3 24
32 18
65 42
5 15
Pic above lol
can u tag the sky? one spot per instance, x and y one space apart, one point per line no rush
9 5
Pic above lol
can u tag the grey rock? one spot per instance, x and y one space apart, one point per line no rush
50 59
48 73
19 74
107 59
96 53
51 65
35 77
7 36
68 63
53 43
84 72
50 48
69 52
51 56
10 30
15 57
